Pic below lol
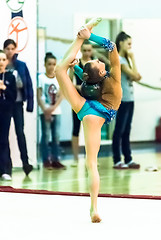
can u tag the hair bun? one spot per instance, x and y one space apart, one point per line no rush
49 54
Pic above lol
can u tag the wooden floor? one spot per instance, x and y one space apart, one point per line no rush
136 182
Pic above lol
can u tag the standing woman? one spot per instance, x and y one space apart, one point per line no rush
129 73
93 113
49 98
7 99
24 93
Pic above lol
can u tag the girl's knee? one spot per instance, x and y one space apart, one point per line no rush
91 165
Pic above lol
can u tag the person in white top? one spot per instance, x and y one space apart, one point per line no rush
49 98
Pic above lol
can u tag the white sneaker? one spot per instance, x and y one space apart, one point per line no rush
120 165
6 177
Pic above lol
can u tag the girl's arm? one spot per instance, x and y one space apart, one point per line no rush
70 55
76 45
50 109
135 76
131 71
115 71
39 99
103 42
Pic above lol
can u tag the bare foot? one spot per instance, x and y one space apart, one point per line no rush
85 30
93 22
95 218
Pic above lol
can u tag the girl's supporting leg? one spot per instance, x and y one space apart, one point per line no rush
92 132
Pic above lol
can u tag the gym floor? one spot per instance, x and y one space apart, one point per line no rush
144 181
46 217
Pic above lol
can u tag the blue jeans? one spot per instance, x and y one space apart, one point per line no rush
121 136
48 128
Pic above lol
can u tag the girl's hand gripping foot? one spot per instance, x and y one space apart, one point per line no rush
85 31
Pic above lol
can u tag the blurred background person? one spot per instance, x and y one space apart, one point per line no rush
129 73
49 98
7 98
24 93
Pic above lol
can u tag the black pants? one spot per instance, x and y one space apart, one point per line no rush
5 160
18 117
121 136
76 124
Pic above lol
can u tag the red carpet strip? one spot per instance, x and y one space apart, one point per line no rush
31 191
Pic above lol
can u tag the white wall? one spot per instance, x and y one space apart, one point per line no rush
60 13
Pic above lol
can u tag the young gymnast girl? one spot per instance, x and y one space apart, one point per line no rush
93 113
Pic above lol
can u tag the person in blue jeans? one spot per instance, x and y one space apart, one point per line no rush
24 93
49 98
129 74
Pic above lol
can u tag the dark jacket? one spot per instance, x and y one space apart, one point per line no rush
27 90
8 96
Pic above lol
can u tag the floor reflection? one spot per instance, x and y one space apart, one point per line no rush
74 179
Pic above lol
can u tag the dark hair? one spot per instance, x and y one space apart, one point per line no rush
86 41
91 75
122 36
49 55
8 42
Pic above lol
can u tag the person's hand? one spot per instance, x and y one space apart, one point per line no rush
48 117
138 77
48 111
73 63
2 85
47 114
84 33
130 54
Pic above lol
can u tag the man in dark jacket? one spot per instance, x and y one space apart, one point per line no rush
24 93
